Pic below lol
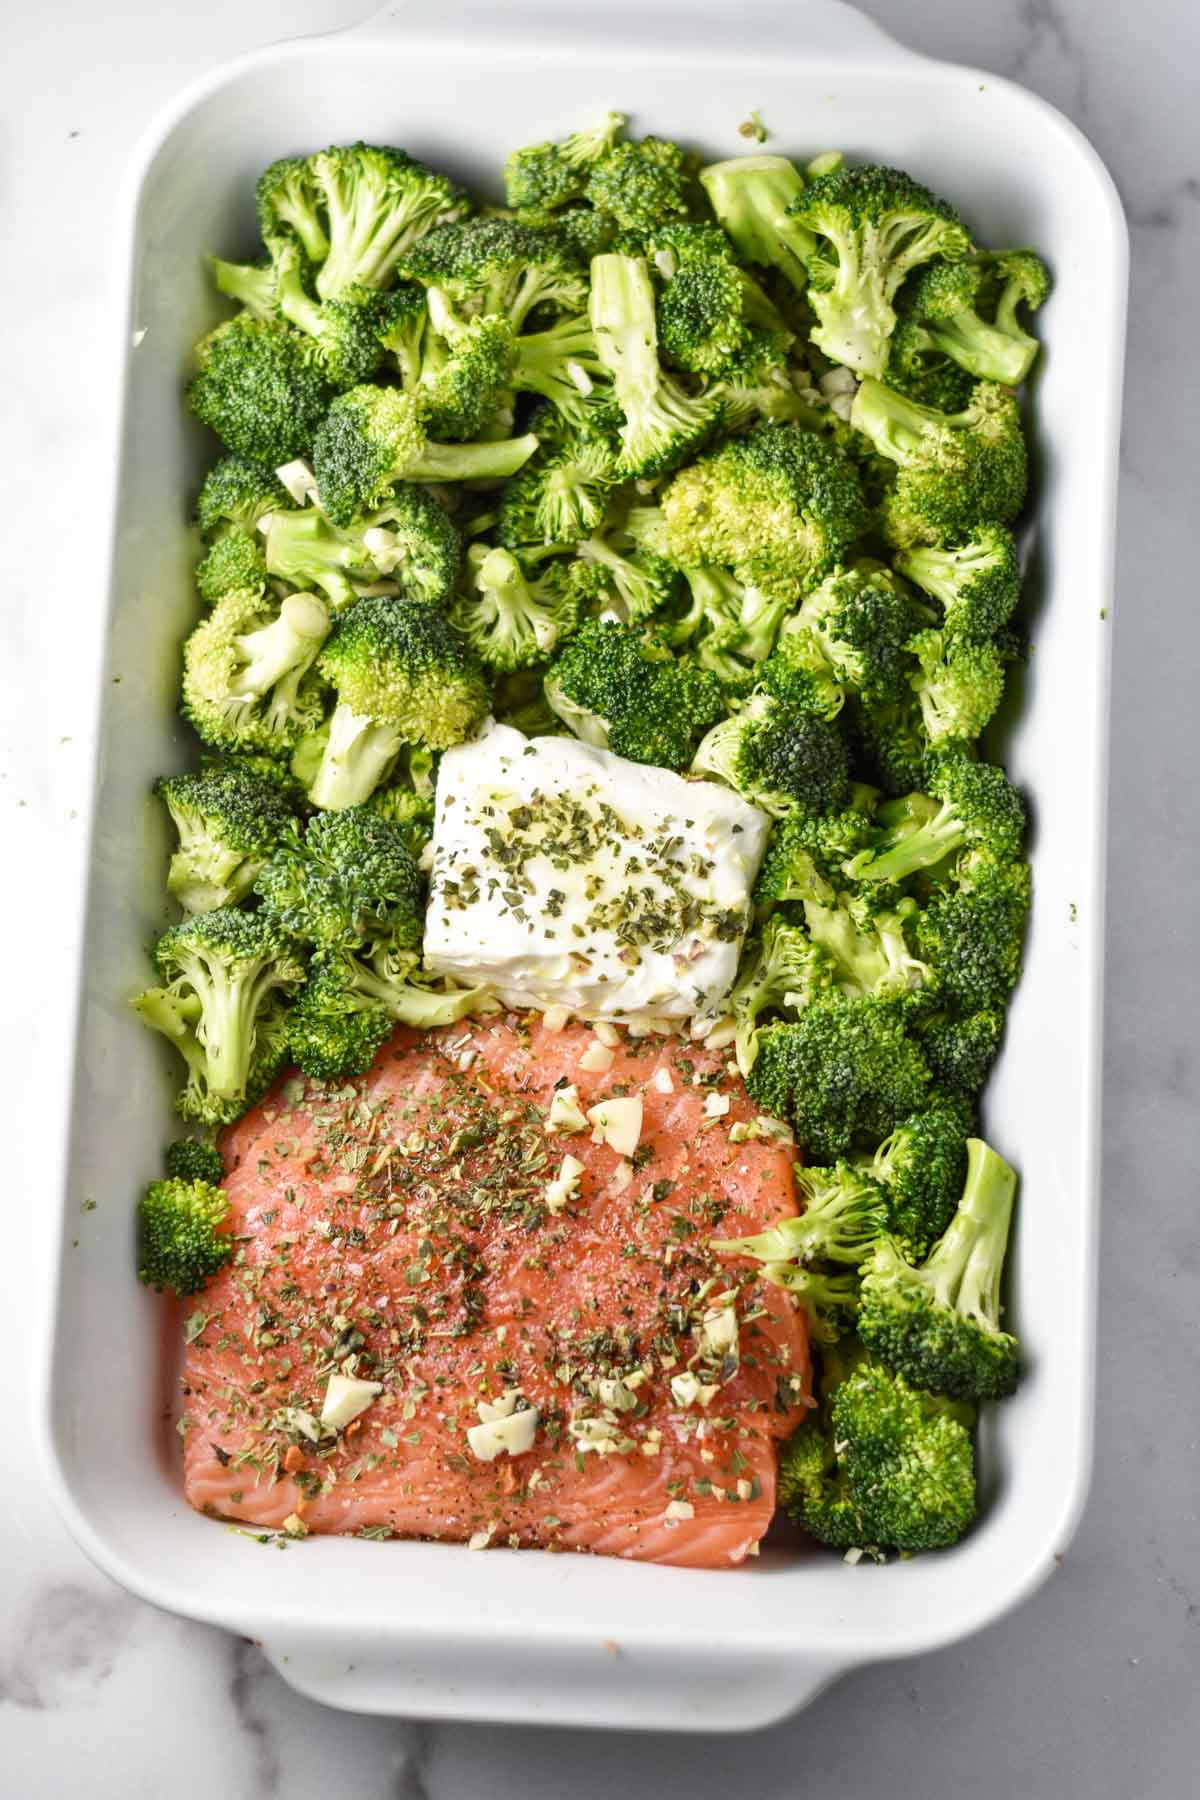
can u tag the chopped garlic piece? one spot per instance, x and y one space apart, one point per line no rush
298 479
608 1034
622 1175
744 1489
722 1034
479 1540
345 1398
565 1112
664 1081
578 376
597 1058
719 1331
512 1436
294 1526
555 1018
680 1509
685 1388
716 1105
565 1185
617 1123
503 1408
614 1392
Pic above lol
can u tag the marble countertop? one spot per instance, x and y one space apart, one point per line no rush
1090 1687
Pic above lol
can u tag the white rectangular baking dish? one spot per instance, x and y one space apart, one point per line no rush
432 1630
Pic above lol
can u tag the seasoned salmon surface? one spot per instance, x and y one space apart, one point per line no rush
403 1229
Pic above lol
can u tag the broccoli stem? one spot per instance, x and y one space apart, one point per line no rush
895 425
251 287
621 309
984 351
279 655
357 755
968 1261
751 195
472 462
912 850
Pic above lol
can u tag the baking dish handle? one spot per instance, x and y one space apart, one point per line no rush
833 29
599 1685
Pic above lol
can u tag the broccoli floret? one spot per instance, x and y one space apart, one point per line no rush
732 627
247 672
305 550
890 741
237 492
635 580
234 562
265 768
976 807
782 972
404 338
188 1159
939 1324
180 1241
806 849
350 880
346 333
883 1466
753 197
872 227
617 689
411 813
402 675
954 470
501 266
960 1048
868 948
509 619
714 318
779 506
225 972
542 177
857 624
560 496
259 389
374 437
411 540
951 303
972 935
641 184
229 822
564 366
352 1003
959 687
844 1215
977 581
662 422
356 210
465 372
916 366
781 750
845 1069
922 1167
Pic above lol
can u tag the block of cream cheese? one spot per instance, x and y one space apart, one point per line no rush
566 876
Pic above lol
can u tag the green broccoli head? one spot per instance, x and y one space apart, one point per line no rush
374 437
564 366
845 1070
780 750
883 1466
180 1241
872 227
229 821
615 688
511 620
259 389
939 1325
620 571
248 681
701 323
972 935
806 852
976 579
188 1159
954 470
868 945
640 184
353 1001
466 370
843 1216
233 563
781 973
226 972
560 496
858 625
350 880
779 506
960 1048
969 311
959 686
541 178
411 540
346 333
731 626
922 1167
970 804
501 266
238 492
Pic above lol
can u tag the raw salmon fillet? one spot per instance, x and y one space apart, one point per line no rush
396 1228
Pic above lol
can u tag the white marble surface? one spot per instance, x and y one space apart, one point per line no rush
1091 1688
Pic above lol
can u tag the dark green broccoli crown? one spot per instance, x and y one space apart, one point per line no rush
239 945
333 1030
970 312
290 207
560 496
807 850
672 244
845 1211
922 1166
977 581
190 1160
180 1243
350 880
501 266
234 561
641 183
700 322
614 686
960 1048
404 333
849 199
780 505
461 392
845 1070
906 1460
889 737
413 541
939 1325
989 808
917 368
238 492
589 233
369 439
860 621
783 971
788 747
265 768
955 470
973 936
542 177
229 820
259 389
401 663
959 686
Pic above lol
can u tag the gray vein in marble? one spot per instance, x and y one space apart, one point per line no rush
250 1670
66 1642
